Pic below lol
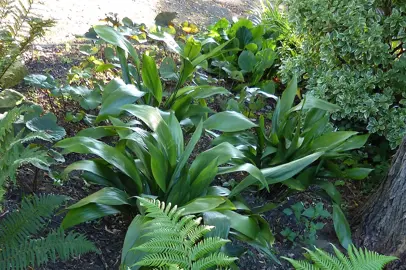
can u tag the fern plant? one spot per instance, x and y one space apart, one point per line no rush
357 259
13 149
19 27
177 242
19 250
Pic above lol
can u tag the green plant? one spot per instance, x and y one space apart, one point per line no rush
14 152
353 55
169 239
156 163
248 56
302 140
357 259
20 250
144 75
19 27
309 218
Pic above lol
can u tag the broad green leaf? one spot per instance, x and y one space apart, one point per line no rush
279 173
115 95
84 145
220 222
352 143
202 204
87 213
330 140
48 124
288 96
96 168
168 69
177 133
202 91
341 226
115 38
228 121
237 25
311 102
265 59
133 238
149 115
247 61
251 169
159 165
203 178
151 77
330 189
191 49
210 54
243 224
223 152
244 36
152 117
186 154
168 39
98 132
357 173
106 196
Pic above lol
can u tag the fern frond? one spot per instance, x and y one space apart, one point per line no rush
163 244
207 246
301 265
159 260
357 259
178 241
342 258
366 259
39 251
29 219
216 259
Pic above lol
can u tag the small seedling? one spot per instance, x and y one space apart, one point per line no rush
310 218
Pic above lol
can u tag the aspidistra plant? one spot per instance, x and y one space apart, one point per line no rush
298 133
155 163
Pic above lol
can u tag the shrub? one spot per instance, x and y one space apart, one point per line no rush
352 55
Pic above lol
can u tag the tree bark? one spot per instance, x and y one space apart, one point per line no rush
382 224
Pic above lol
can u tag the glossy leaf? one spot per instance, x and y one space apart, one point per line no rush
84 145
87 213
114 37
228 121
279 173
203 204
151 77
106 196
341 226
115 95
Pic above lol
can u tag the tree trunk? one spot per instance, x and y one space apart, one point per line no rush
382 225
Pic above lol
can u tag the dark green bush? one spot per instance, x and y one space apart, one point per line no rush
352 55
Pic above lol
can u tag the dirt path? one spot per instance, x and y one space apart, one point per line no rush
74 17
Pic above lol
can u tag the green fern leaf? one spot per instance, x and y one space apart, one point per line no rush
29 219
358 259
39 251
176 241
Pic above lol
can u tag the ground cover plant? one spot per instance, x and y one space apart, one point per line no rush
205 144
